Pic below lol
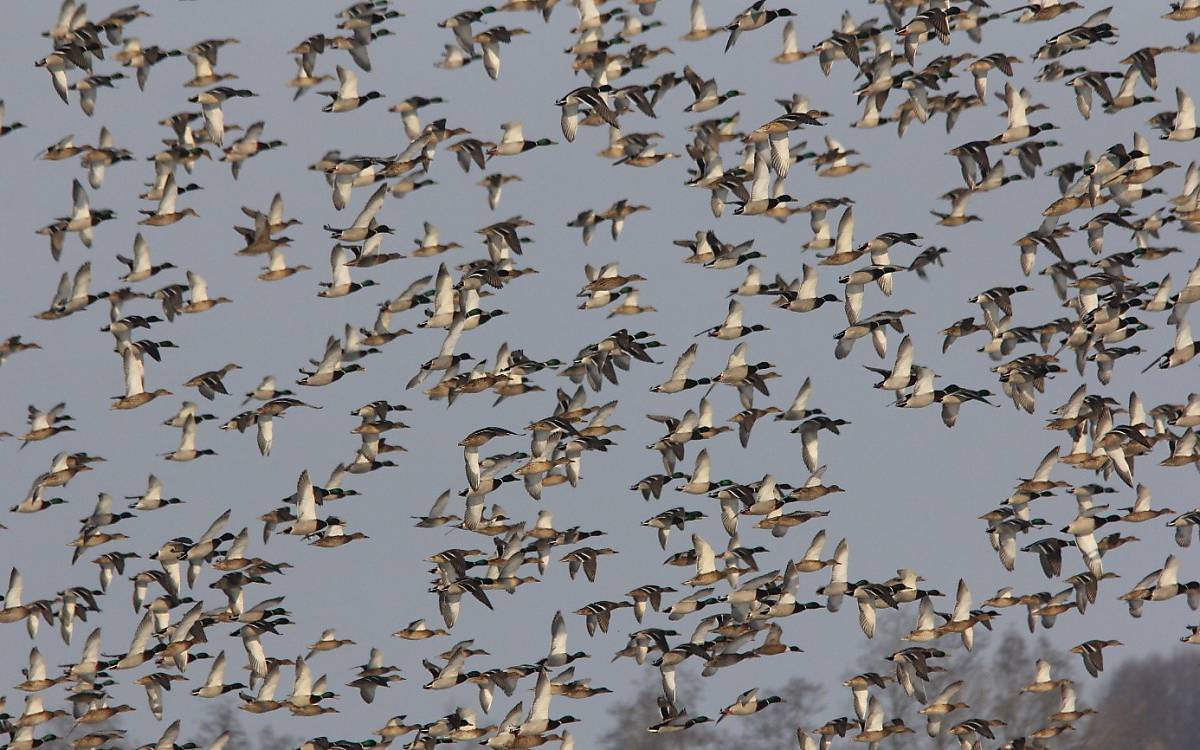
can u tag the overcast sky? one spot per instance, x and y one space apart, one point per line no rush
913 488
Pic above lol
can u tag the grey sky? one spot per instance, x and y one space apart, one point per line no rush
914 488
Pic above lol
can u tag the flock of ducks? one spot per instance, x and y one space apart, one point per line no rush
929 58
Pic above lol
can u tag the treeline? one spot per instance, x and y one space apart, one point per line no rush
1150 703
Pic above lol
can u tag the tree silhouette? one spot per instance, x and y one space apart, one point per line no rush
994 682
773 729
220 718
223 718
61 729
1150 703
633 715
776 727
1001 663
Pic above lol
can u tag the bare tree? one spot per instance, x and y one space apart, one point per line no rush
61 730
223 718
772 729
775 727
1000 664
1151 703
633 715
219 719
